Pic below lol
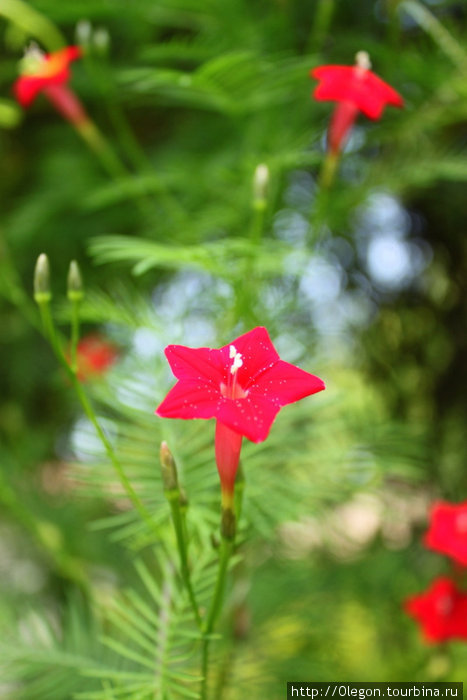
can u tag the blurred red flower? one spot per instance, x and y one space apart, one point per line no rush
441 611
95 355
355 89
448 530
50 73
243 385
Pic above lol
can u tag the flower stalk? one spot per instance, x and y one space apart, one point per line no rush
177 503
75 295
355 89
43 301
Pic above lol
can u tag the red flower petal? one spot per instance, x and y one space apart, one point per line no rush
283 383
362 87
441 611
251 417
190 399
247 401
53 70
258 354
448 530
26 89
196 364
95 355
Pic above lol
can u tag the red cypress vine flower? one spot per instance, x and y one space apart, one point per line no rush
448 530
441 611
50 73
243 385
95 355
355 89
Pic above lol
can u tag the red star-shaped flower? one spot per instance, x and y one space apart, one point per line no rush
355 89
441 611
243 385
43 70
50 73
95 355
448 530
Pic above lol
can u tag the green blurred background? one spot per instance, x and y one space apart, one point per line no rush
363 284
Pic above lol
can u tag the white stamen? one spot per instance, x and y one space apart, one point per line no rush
232 351
32 60
362 60
237 361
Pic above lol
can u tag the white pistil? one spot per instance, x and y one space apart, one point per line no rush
237 362
32 60
362 60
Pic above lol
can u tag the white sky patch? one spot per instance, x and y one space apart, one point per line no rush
147 343
290 226
84 441
321 281
389 261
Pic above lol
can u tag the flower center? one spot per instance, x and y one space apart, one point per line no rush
233 390
444 605
33 61
362 63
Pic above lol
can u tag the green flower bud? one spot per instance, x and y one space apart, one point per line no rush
168 469
42 292
74 282
260 186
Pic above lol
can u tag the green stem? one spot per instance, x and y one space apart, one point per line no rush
239 491
51 334
322 20
328 170
114 167
90 133
32 23
447 43
11 288
46 535
74 335
227 547
104 79
173 496
245 293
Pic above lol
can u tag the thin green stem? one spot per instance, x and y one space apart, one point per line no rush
11 288
104 79
173 496
427 20
33 23
329 169
246 292
114 166
46 535
239 491
102 148
227 547
74 335
322 21
51 334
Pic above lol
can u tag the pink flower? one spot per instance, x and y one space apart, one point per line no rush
441 611
50 73
448 530
243 385
355 89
